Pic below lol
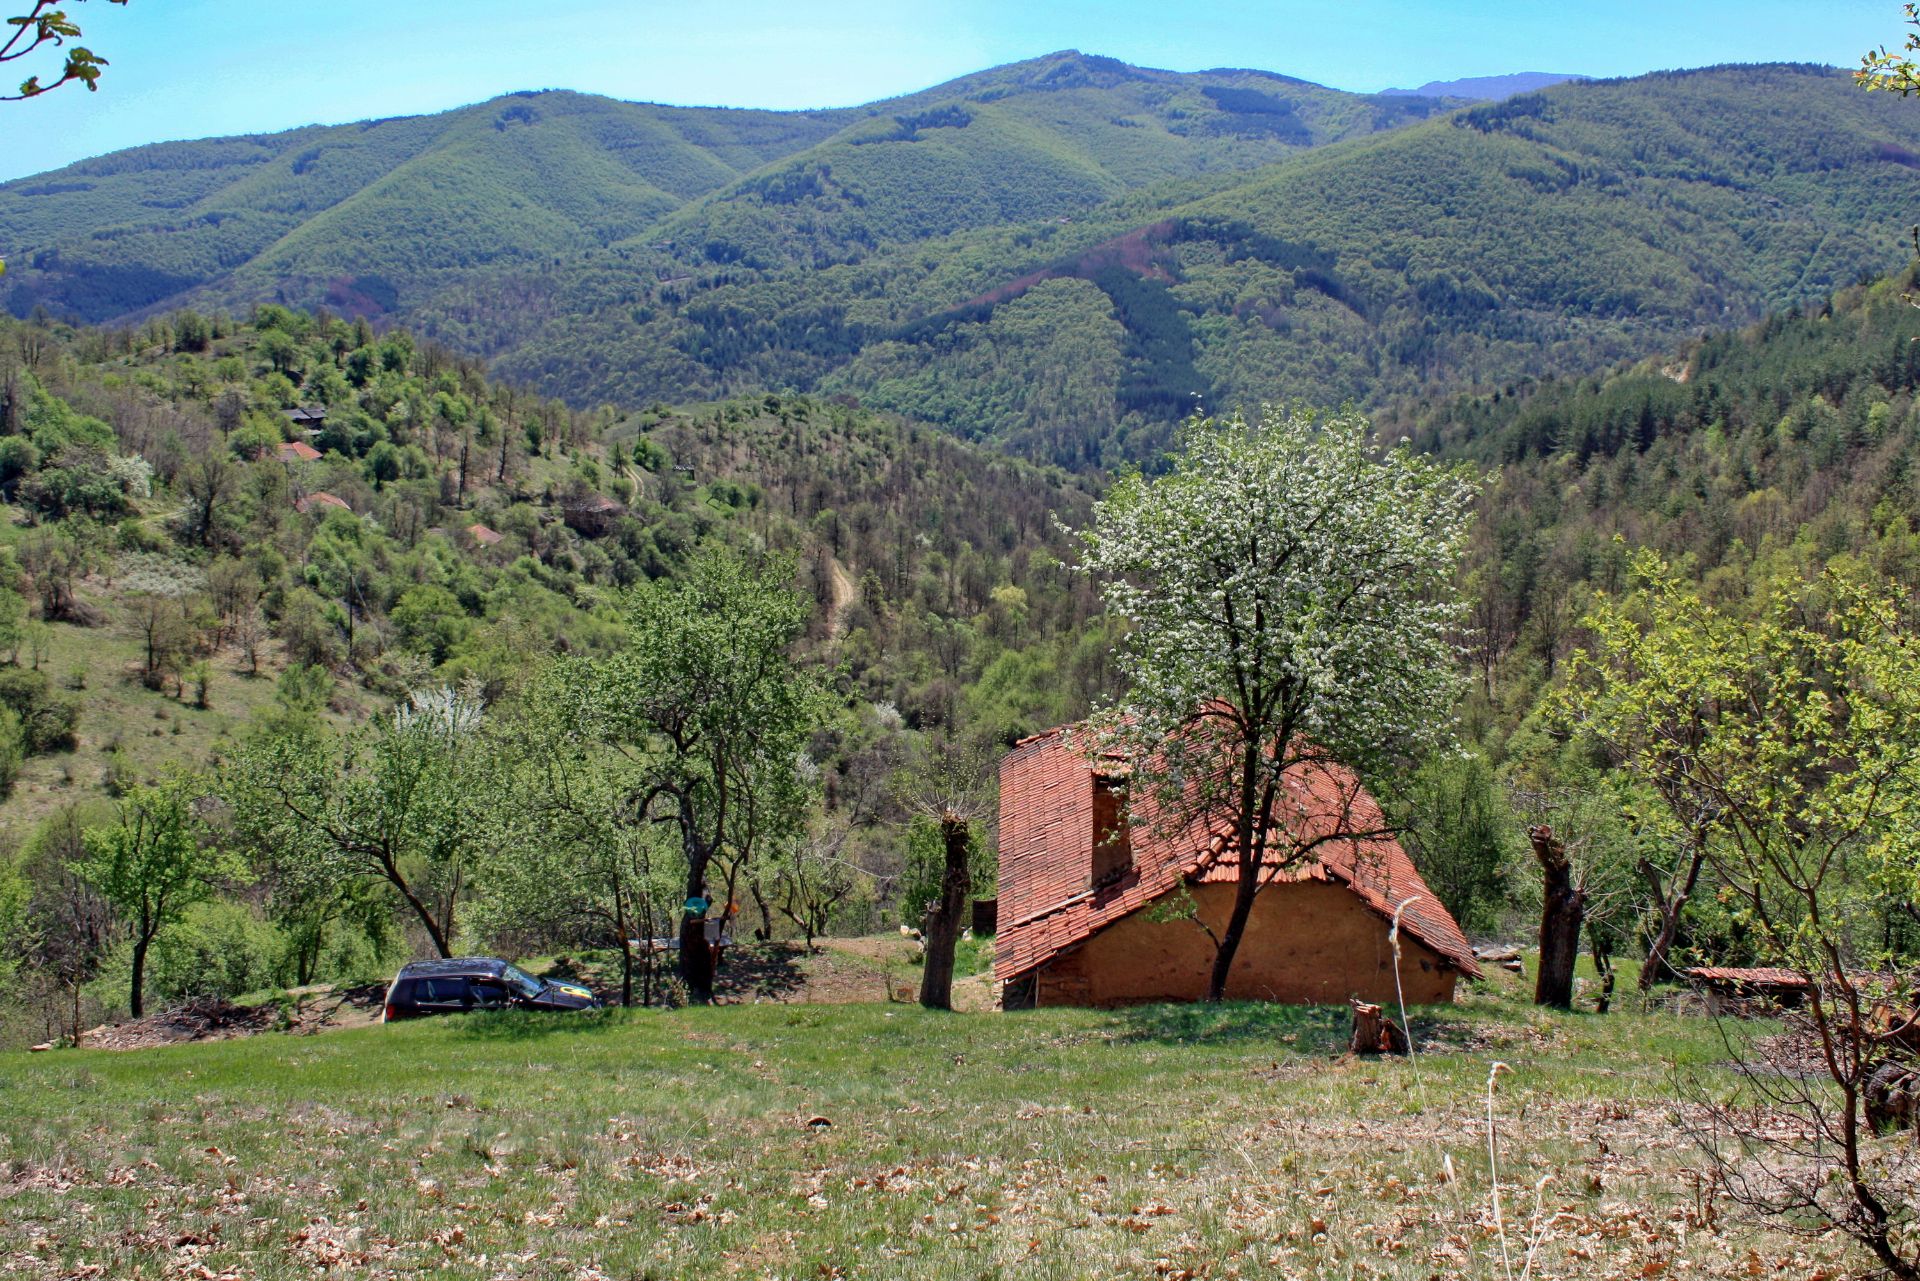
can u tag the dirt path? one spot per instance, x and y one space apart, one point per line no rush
845 593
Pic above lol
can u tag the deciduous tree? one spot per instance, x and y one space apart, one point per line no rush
711 712
1289 590
1798 774
402 799
153 863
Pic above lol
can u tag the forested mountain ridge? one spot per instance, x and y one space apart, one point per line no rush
374 217
1556 232
1122 270
108 237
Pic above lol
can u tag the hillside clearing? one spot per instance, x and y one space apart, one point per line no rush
873 1141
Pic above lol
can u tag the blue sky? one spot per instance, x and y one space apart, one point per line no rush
195 68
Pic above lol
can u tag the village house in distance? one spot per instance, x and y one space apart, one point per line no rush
1076 885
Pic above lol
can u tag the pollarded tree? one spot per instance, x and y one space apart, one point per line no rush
711 714
1290 595
403 799
153 864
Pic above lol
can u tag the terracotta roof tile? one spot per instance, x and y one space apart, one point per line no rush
1046 839
297 451
1761 976
321 499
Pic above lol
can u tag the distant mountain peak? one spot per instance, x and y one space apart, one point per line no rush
1487 88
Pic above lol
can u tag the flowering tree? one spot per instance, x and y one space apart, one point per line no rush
1289 594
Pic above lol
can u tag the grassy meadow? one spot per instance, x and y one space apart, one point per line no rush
877 1140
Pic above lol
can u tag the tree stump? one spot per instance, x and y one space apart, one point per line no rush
1374 1032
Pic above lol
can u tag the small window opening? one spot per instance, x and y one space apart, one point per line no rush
1112 843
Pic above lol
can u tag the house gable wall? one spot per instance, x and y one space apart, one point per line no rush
1307 942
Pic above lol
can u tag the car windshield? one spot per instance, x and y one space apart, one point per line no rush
528 985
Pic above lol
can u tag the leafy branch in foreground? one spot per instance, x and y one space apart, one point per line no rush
45 27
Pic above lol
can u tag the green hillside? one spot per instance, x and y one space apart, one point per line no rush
366 214
143 494
1050 138
1556 232
377 217
1061 256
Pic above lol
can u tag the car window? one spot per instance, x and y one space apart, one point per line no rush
488 992
528 985
441 991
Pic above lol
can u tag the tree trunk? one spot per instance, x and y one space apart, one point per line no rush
1602 953
696 959
439 936
940 929
1243 895
623 929
1252 843
1374 1032
136 1000
1563 910
1673 899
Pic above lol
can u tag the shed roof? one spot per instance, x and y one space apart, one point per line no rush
482 535
1047 907
1763 976
321 498
297 450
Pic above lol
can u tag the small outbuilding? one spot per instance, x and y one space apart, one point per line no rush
1080 885
320 501
591 515
484 536
296 451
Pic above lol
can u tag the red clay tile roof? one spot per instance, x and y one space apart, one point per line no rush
1046 838
320 499
1762 976
483 535
299 450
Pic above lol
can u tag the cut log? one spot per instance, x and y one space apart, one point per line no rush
1374 1032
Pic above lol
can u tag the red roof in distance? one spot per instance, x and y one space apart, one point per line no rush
320 499
484 536
297 451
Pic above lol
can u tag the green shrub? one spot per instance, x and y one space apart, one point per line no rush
47 720
219 949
